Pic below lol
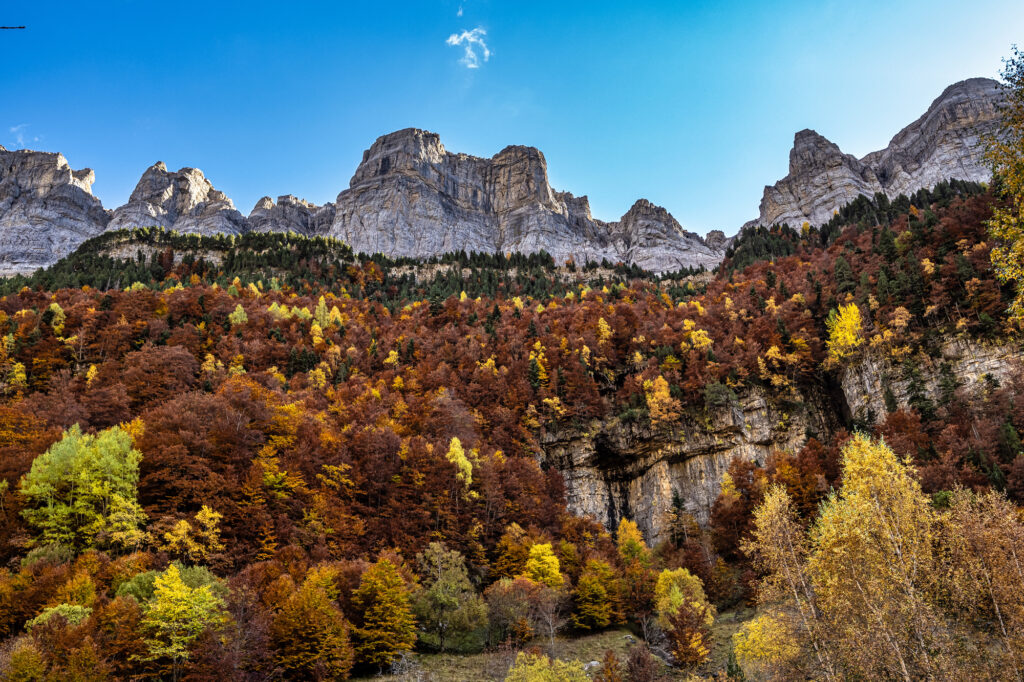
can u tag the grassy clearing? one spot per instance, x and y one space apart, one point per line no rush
493 665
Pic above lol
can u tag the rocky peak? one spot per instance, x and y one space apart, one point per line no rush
290 214
812 150
411 197
518 175
716 239
944 143
649 236
408 150
184 201
46 209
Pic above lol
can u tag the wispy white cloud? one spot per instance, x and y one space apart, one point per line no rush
475 49
19 133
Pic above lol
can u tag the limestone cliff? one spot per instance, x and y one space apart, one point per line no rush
184 201
46 209
945 142
614 469
958 363
411 197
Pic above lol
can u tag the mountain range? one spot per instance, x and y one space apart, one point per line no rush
410 196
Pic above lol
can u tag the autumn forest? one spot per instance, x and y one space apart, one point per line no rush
266 457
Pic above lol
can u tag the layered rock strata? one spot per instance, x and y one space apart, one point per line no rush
945 142
411 197
46 209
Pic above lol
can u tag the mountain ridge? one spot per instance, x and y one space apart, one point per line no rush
411 197
943 143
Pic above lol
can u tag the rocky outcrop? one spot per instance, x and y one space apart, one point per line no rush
291 214
614 469
946 142
411 197
46 209
959 363
648 236
184 201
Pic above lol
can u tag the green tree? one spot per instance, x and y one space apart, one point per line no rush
238 316
387 626
82 492
843 276
176 616
450 612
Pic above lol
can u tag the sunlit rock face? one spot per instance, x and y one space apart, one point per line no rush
411 197
46 209
184 201
946 142
291 214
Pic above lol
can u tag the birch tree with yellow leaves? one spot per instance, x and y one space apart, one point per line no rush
885 585
1005 154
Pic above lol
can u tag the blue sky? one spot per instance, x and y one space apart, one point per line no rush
692 105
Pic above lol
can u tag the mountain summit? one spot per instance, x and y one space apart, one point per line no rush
942 144
412 197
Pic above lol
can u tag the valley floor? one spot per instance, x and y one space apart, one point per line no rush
494 665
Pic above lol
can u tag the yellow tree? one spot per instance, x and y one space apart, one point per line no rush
873 564
983 536
542 566
844 332
196 543
387 627
790 624
1005 154
685 615
661 406
176 616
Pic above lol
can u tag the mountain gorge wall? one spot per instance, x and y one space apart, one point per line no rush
614 469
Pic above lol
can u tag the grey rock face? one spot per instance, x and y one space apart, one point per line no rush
971 363
46 209
614 469
290 214
944 143
411 197
650 237
184 201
